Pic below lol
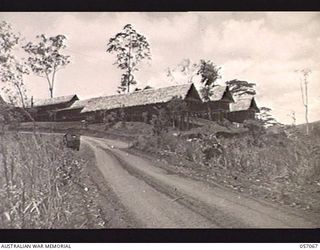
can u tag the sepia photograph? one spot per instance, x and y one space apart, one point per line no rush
177 120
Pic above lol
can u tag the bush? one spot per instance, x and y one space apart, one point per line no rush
145 143
160 122
145 117
109 120
256 129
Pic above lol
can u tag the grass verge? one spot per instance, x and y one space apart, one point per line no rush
273 167
44 185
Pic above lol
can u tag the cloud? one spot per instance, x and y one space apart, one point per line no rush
287 20
175 29
256 51
253 39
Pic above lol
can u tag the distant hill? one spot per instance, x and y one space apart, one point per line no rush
313 126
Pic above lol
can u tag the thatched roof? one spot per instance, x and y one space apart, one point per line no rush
53 101
138 98
218 93
79 104
244 103
1 100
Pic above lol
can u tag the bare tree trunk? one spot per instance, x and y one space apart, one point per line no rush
50 83
129 67
304 94
173 121
209 112
306 102
20 95
306 106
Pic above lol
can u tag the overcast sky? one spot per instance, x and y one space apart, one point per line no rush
260 47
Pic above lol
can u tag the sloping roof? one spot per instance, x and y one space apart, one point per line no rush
1 100
219 92
149 96
53 101
79 104
245 103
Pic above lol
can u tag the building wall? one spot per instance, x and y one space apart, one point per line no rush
220 105
44 113
241 116
140 113
70 115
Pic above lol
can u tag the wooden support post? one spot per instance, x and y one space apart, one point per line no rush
173 121
188 120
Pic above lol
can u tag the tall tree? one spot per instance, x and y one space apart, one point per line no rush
8 40
304 93
12 69
130 48
209 72
239 88
209 75
46 58
12 73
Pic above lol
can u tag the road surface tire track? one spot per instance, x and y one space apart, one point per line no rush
112 212
221 219
222 208
164 211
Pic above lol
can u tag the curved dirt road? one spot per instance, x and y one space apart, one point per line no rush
157 198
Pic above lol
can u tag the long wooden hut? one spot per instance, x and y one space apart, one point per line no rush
73 113
243 109
46 109
132 104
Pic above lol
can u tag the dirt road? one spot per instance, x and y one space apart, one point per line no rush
157 198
